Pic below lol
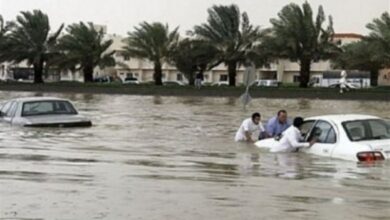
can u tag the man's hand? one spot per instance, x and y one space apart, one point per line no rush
312 141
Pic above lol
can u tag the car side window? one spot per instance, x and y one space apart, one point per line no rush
9 110
306 127
323 132
12 110
5 108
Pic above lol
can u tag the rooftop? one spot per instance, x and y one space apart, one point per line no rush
343 117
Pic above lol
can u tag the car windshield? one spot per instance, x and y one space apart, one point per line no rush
48 108
370 129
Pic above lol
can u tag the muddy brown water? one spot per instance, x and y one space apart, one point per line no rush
150 157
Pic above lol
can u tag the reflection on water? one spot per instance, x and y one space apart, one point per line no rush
174 158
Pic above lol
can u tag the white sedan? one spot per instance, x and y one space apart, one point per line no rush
349 137
42 112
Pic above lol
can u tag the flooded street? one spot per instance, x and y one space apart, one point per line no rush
174 158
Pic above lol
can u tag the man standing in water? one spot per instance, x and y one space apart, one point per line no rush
250 129
277 124
343 81
291 138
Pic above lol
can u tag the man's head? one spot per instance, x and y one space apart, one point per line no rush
256 118
298 121
282 116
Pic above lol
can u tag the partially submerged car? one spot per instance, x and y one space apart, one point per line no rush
221 83
350 137
266 83
173 83
42 112
130 80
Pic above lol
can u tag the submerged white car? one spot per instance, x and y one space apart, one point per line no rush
349 137
42 112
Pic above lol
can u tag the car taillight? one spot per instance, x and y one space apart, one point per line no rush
370 156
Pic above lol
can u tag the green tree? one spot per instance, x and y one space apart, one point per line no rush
84 48
193 56
361 55
379 38
3 28
296 36
29 40
231 33
154 42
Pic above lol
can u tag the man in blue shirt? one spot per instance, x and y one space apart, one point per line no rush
277 124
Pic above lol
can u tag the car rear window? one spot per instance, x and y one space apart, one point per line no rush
47 108
371 129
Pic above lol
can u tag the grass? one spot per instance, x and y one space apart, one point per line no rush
285 91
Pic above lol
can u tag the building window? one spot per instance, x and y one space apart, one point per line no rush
296 78
206 77
163 76
223 77
126 57
179 77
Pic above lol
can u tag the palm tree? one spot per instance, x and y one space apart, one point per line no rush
153 42
296 36
379 37
231 34
3 30
361 55
29 40
84 48
3 27
191 56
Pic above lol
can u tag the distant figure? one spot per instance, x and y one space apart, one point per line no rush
343 81
291 138
198 80
250 129
277 124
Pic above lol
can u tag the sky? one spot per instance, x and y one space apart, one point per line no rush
120 16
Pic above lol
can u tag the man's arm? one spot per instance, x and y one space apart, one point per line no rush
270 128
295 144
248 136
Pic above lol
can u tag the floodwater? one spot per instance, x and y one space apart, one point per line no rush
174 158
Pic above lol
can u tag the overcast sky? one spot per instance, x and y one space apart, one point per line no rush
121 15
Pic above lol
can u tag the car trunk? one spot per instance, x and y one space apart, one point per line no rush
57 121
379 145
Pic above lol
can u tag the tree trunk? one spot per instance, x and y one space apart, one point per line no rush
88 73
232 73
374 77
157 73
38 71
304 73
191 78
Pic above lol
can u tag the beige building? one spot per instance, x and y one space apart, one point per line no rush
283 70
384 77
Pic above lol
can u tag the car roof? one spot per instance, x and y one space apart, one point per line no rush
32 99
342 117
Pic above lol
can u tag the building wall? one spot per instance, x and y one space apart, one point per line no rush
384 77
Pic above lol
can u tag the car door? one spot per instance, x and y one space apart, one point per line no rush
325 136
